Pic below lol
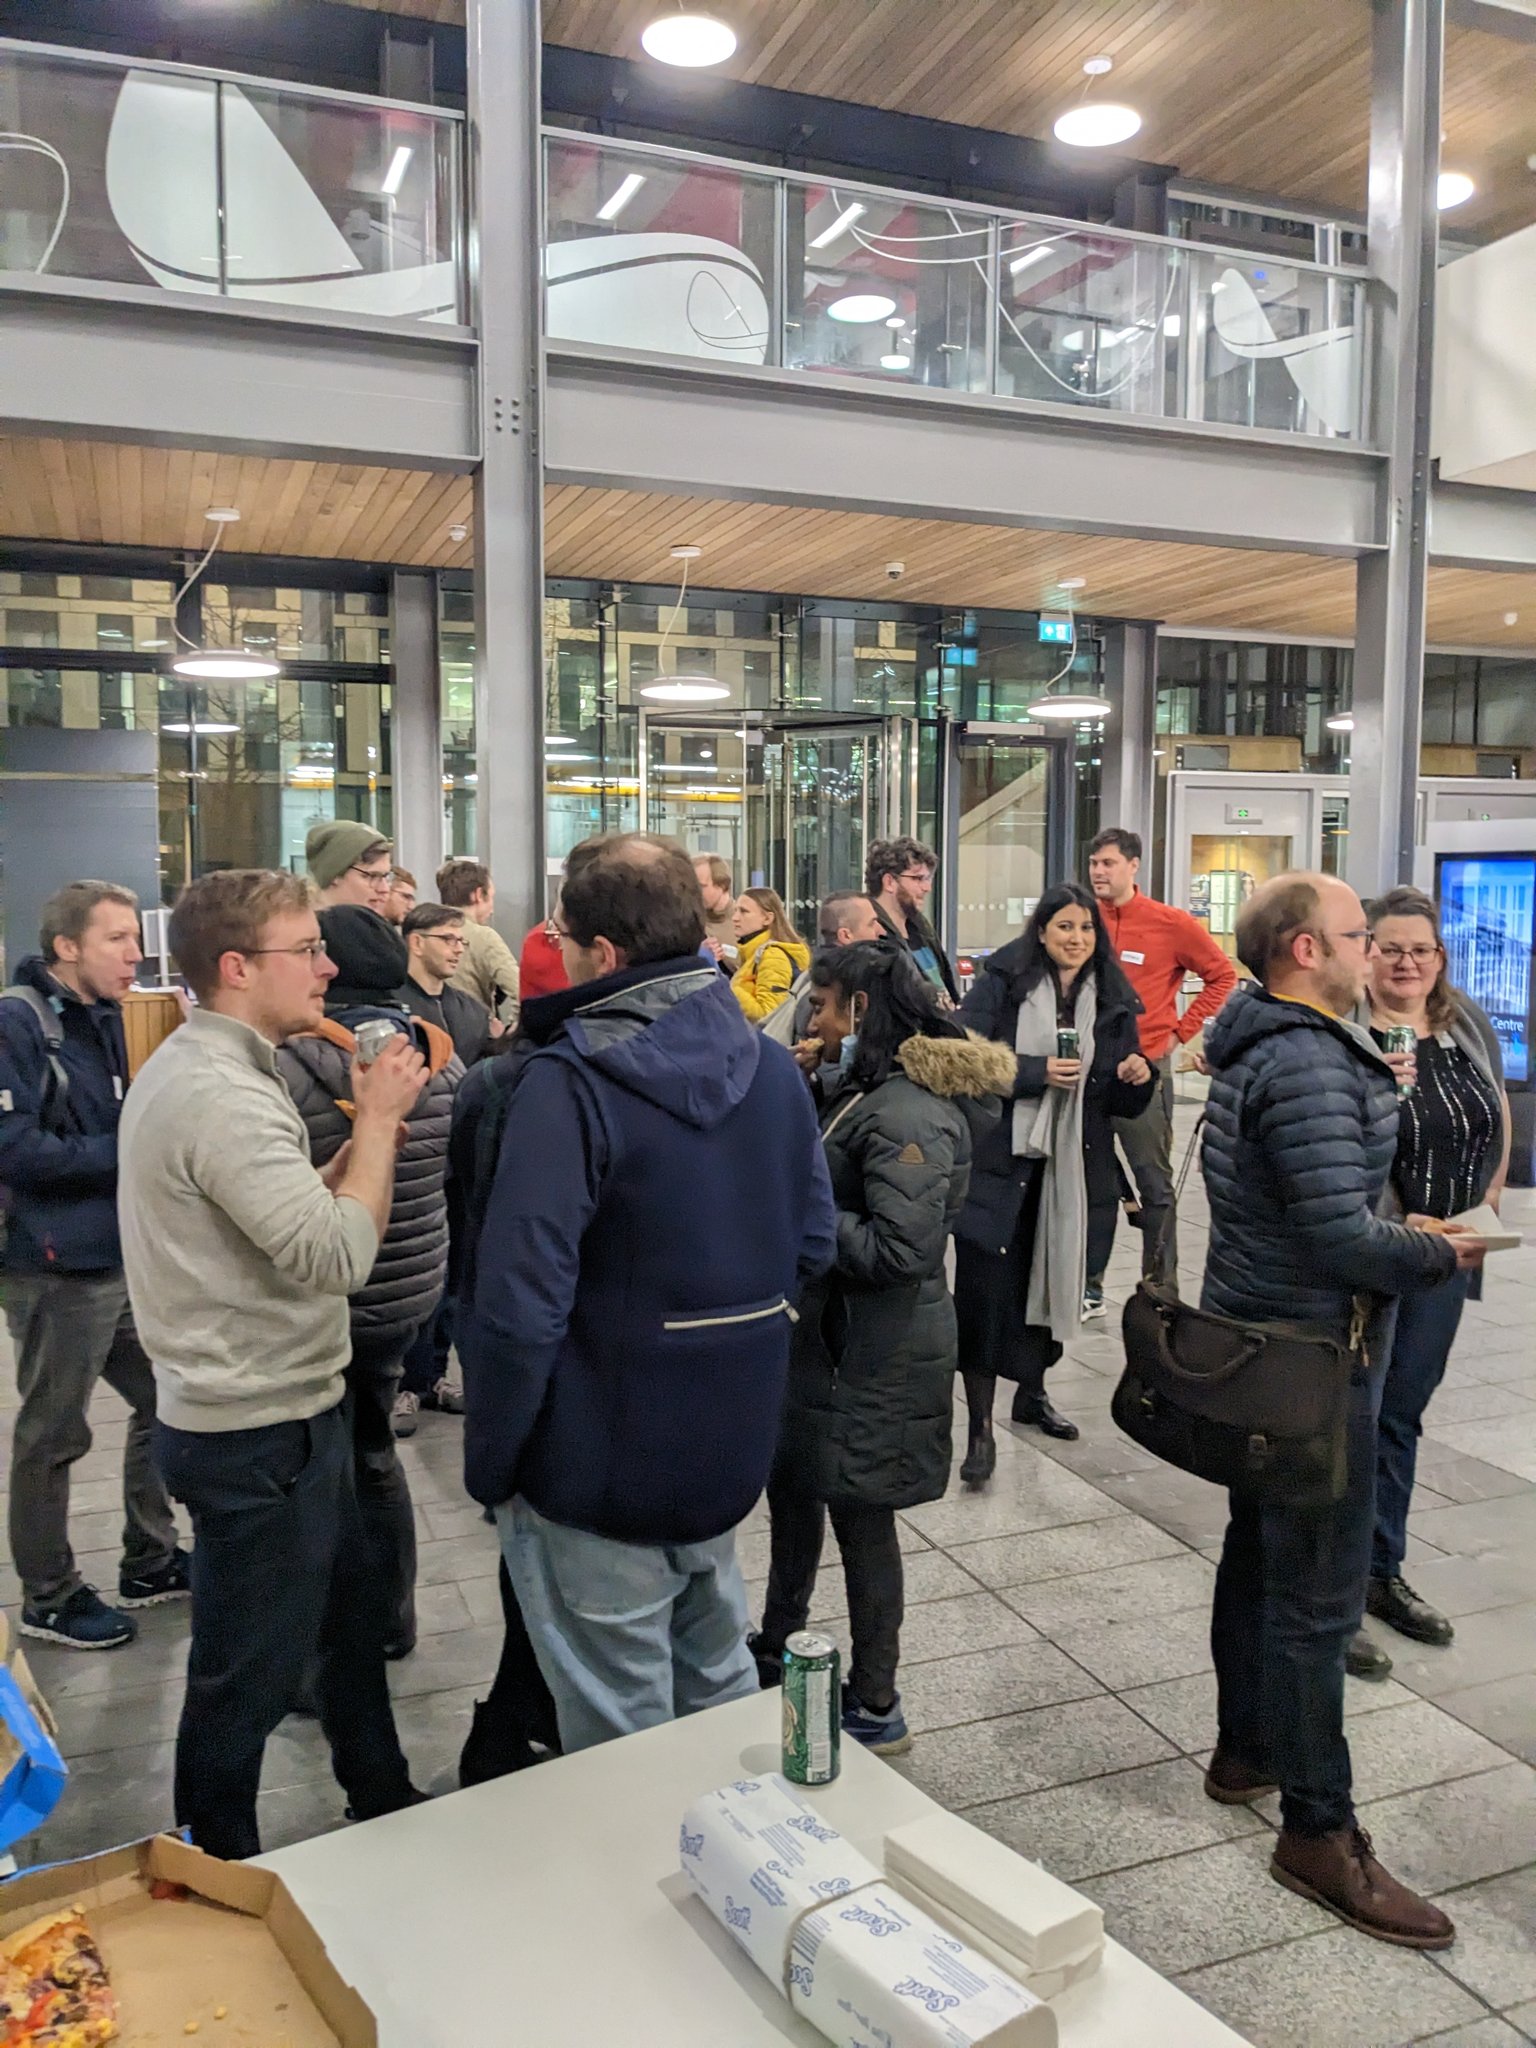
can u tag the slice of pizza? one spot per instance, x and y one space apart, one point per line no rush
54 1989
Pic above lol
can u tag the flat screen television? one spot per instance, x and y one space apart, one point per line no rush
1488 914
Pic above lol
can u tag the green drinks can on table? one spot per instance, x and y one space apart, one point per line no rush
813 1717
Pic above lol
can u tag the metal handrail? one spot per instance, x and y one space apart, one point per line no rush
985 210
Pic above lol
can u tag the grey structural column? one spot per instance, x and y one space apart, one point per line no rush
1126 782
416 724
1407 52
506 230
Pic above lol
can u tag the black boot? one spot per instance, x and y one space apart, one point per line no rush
1365 1658
1395 1602
1036 1410
980 1457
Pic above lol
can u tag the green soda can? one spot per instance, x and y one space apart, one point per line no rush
1068 1044
1402 1038
813 1721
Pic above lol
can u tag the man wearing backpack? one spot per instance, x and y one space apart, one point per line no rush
63 1074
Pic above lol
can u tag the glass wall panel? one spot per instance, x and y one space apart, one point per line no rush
107 614
1090 317
298 625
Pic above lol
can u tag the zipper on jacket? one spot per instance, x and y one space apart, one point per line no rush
751 1315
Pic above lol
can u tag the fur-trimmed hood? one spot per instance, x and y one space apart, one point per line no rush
954 1067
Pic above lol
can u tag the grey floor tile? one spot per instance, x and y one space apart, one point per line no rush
1480 1403
1488 2033
100 1722
1524 2017
1184 1709
1116 1822
926 1575
944 1628
1203 1907
483 1601
1499 1644
1508 1442
1473 1585
108 1799
982 1684
442 1608
1458 1831
1027 1493
1495 1952
1332 1990
475 1556
990 1760
1404 1747
467 1657
1130 1653
1053 1553
1160 1585
1504 1710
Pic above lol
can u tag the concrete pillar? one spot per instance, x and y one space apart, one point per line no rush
1407 49
416 764
506 230
1126 783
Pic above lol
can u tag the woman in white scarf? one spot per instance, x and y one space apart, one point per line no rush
1042 1197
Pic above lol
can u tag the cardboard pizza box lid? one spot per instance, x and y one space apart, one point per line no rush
183 1933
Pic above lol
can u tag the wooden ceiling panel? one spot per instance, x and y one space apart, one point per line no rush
114 494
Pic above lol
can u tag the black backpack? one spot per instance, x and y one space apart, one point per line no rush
53 1113
475 1151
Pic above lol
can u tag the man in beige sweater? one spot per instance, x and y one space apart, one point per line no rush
240 1258
488 970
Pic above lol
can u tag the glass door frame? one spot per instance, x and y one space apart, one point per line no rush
1059 748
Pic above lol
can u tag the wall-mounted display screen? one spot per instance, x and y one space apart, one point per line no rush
1488 914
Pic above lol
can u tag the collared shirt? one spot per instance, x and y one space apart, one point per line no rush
487 971
239 1258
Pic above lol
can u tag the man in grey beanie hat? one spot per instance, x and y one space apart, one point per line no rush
349 862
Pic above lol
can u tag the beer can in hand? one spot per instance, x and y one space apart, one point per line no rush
1402 1038
813 1710
373 1034
1068 1043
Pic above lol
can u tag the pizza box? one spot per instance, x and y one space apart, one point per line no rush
183 1933
32 1772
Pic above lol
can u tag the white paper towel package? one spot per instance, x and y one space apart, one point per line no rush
1021 1916
863 1965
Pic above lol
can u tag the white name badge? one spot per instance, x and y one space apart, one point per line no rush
1134 959
117 1086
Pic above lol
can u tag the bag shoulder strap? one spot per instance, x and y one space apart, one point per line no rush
51 1024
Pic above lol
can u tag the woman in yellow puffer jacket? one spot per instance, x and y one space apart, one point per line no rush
770 950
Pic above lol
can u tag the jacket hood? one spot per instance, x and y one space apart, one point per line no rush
371 957
955 1067
759 942
1251 1013
33 972
671 1032
1011 964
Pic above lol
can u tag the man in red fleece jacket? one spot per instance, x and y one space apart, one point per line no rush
1157 946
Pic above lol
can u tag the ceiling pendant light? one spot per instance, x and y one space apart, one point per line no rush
208 664
861 309
1071 705
692 41
1341 721
1453 188
1097 124
680 688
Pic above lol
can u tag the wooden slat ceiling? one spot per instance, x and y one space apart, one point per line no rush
100 492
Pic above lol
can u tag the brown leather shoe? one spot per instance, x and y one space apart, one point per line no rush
1233 1783
1340 1871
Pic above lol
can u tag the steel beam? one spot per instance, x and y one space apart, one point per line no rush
128 363
646 423
1475 526
416 725
506 212
1407 57
1126 785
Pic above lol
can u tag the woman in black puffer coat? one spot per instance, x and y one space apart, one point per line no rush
871 1375
1028 1233
406 1283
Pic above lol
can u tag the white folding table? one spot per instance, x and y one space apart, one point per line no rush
547 1909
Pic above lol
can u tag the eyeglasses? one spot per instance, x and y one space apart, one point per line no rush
380 877
917 874
316 949
1362 937
1419 955
559 930
456 939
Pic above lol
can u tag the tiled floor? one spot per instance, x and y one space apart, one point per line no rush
1057 1671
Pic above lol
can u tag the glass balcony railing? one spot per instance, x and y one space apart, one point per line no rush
165 175
662 252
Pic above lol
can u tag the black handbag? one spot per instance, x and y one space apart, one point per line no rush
1260 1408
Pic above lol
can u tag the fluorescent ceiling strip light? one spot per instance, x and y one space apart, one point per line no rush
394 177
845 219
1031 256
613 206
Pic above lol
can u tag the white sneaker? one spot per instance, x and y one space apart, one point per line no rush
405 1413
1094 1306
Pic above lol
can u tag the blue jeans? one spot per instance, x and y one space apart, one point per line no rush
1290 1590
627 1634
1427 1321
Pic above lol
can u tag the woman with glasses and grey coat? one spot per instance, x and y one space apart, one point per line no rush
1452 1154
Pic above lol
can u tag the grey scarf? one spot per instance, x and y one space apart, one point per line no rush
1051 1129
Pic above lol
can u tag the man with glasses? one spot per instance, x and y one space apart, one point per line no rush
240 1258
898 879
349 863
1301 1132
435 939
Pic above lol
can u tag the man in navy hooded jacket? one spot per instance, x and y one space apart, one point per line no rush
660 1198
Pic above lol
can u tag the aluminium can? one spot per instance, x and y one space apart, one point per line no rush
813 1719
1402 1038
373 1034
1068 1044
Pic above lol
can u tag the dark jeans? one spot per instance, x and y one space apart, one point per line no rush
866 1537
383 1491
1147 1142
426 1361
281 1573
69 1330
1427 1320
1290 1590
